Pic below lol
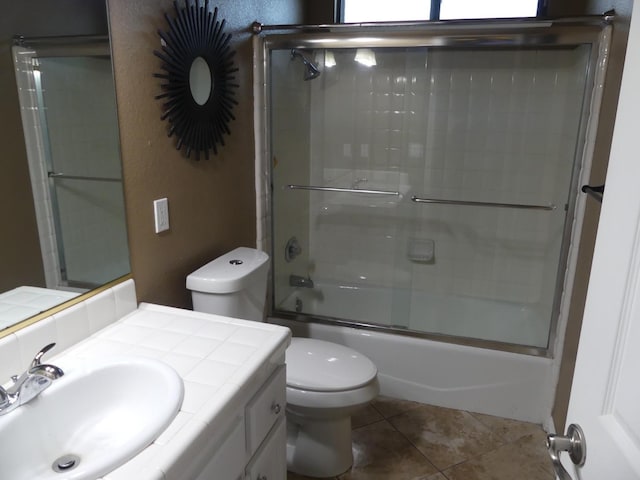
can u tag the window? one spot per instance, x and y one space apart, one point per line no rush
356 11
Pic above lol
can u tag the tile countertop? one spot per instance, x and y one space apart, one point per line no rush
219 359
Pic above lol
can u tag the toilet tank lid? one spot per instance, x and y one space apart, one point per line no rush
324 366
228 273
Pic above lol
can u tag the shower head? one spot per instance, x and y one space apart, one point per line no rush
311 68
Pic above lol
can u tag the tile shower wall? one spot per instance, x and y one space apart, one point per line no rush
290 97
37 170
475 125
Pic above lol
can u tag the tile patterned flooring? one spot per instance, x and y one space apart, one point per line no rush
402 440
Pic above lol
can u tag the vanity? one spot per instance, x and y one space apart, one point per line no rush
231 422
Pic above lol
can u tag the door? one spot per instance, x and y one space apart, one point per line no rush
605 397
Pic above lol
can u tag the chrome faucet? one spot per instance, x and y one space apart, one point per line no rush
298 281
30 384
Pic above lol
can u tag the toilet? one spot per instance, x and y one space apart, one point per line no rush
326 382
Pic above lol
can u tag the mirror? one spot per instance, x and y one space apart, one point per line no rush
62 195
200 81
197 64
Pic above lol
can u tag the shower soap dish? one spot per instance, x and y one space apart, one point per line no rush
421 250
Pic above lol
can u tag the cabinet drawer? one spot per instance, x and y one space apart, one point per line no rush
265 408
270 463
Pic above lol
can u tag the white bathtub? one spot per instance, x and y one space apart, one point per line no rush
468 378
426 312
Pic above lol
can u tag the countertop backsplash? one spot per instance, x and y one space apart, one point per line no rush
66 328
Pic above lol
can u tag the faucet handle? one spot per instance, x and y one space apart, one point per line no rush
4 398
36 359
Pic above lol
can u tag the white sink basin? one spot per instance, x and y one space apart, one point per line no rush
101 412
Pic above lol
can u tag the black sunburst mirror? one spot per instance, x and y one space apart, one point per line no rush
198 87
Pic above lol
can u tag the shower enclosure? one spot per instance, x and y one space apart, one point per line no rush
68 107
425 180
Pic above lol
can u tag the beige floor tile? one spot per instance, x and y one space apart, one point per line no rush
508 430
365 416
445 436
382 453
389 407
295 476
524 459
436 476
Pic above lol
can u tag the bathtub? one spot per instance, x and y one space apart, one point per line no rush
460 316
469 378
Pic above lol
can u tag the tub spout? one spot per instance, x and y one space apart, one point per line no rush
298 281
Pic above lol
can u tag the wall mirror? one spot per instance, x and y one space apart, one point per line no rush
69 232
198 80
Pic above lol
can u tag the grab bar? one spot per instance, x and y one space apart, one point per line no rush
79 177
344 190
482 204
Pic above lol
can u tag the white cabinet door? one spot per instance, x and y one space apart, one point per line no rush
227 463
605 397
270 463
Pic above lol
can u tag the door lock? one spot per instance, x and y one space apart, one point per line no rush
573 443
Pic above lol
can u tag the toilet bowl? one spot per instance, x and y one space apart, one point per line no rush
326 382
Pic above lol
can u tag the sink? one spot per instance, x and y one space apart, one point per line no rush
99 415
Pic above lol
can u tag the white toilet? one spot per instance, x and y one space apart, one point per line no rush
326 382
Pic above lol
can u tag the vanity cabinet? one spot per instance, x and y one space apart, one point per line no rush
231 423
253 447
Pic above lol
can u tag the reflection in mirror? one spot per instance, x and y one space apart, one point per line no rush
67 103
200 81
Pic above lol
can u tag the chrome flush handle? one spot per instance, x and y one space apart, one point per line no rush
574 443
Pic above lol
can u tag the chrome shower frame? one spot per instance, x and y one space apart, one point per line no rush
509 33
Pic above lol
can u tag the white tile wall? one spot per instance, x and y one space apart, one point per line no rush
37 170
483 125
290 135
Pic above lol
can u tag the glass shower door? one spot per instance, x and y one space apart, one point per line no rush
79 123
426 188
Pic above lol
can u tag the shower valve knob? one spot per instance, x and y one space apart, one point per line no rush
292 249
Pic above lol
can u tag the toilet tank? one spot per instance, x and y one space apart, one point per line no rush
234 285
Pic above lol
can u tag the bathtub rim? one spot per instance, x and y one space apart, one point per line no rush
533 351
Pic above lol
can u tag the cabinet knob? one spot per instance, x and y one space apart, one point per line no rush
275 408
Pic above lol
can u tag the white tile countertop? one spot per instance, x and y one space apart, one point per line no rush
218 358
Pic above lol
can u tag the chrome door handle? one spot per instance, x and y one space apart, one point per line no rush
573 443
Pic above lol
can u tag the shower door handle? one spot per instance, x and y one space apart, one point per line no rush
573 443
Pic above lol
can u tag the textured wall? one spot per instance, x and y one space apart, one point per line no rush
211 202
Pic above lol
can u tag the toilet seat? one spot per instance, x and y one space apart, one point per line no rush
298 399
319 366
326 375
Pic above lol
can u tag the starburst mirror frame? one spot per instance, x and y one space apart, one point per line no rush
198 78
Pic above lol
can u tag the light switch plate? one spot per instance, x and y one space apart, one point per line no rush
161 214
